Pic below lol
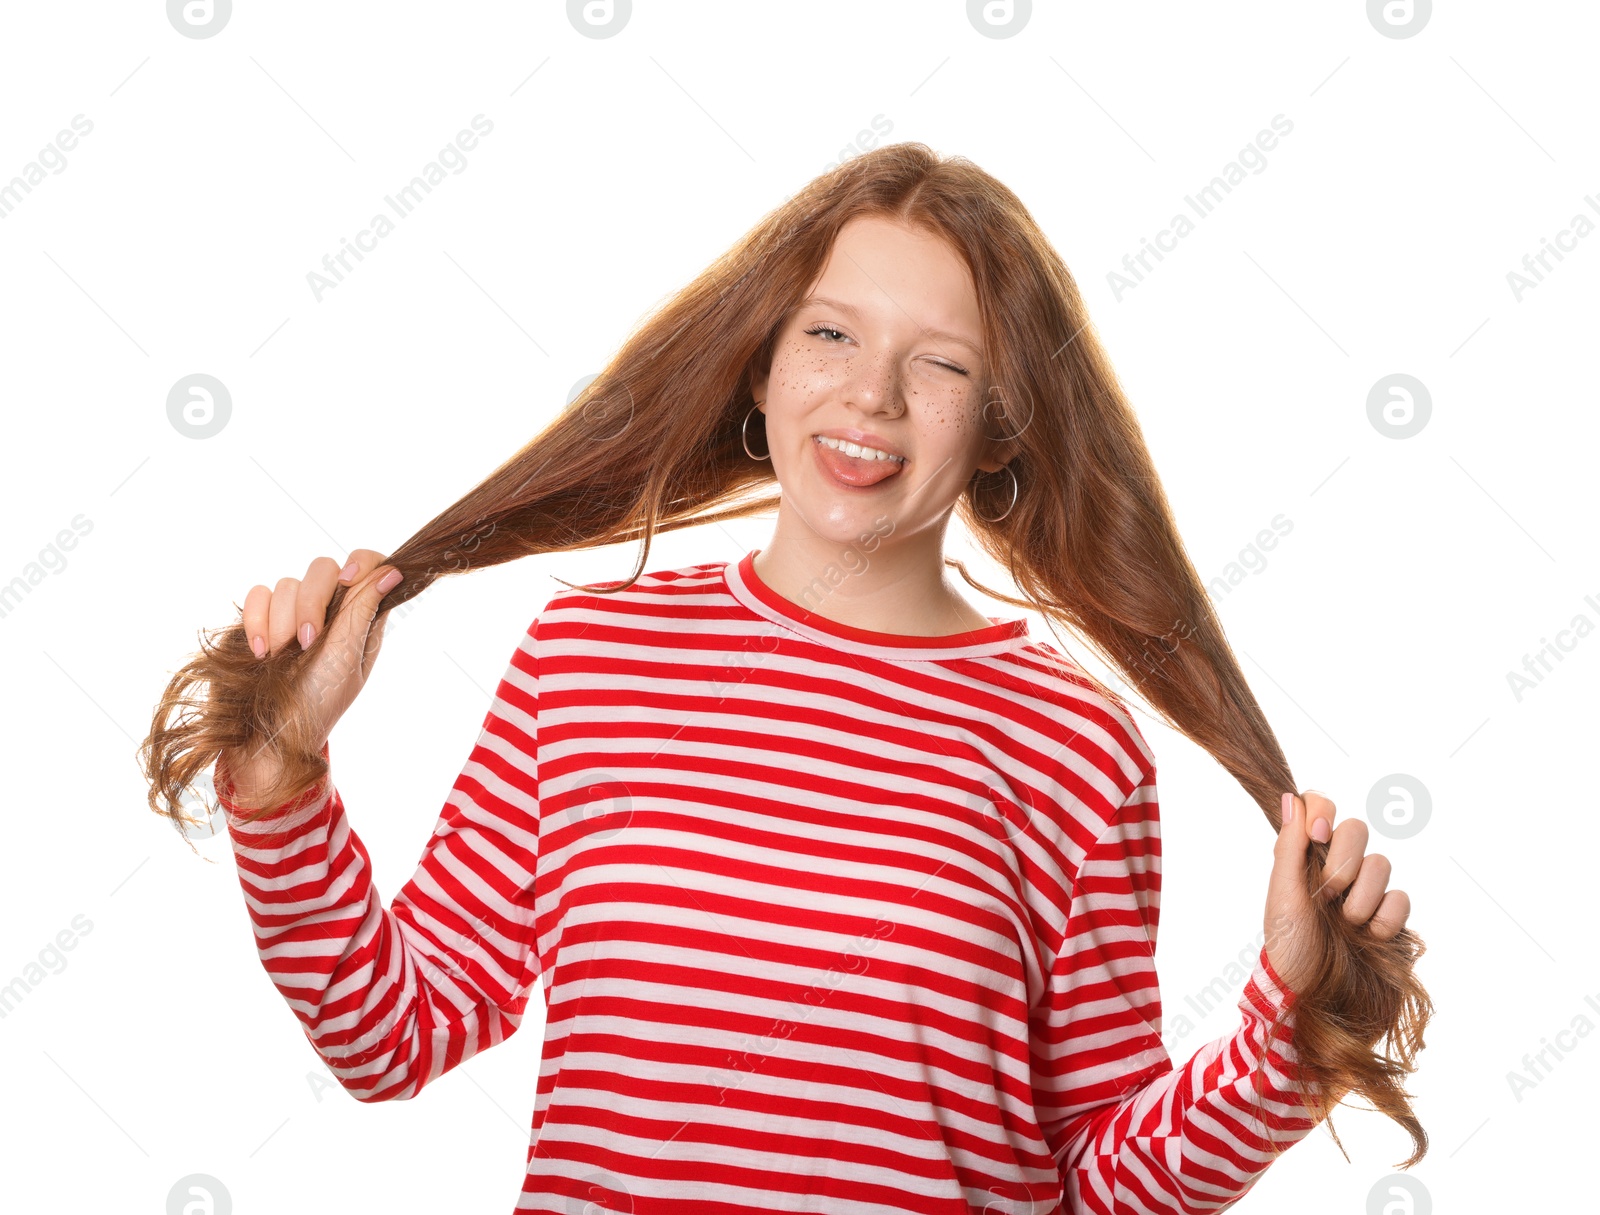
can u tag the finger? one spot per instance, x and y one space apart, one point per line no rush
354 621
1343 861
361 563
1319 815
1391 915
281 613
254 617
1287 883
374 643
311 601
1367 891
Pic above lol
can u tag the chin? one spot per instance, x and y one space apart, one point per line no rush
849 525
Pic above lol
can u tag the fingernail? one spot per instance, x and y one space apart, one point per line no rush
1321 832
258 646
1288 808
348 572
390 580
306 634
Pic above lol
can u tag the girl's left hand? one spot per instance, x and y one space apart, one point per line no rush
1291 940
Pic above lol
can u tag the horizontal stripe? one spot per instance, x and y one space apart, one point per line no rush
824 919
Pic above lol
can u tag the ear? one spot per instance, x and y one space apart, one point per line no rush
759 379
996 455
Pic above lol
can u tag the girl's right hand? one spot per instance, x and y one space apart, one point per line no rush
292 613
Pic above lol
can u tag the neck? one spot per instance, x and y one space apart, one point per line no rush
887 583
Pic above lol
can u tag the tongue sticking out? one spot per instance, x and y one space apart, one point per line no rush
850 470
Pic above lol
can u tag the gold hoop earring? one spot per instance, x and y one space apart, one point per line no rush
744 439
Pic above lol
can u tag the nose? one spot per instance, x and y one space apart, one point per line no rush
875 388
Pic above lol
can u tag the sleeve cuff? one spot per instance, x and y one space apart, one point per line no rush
1270 1002
222 784
1271 984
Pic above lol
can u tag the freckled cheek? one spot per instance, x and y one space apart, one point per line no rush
950 414
803 378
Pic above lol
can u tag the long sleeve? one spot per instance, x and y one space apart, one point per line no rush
392 998
1128 1132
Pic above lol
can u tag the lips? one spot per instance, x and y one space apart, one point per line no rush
853 471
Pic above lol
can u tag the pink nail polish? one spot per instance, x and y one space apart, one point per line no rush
348 572
258 647
306 635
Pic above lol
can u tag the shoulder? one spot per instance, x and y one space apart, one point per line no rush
665 601
653 586
1094 723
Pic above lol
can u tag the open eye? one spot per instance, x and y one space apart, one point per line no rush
821 329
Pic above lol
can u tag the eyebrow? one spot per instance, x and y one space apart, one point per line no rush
841 306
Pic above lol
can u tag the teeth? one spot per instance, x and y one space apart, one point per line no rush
856 450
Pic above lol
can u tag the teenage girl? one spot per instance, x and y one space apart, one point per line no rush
840 894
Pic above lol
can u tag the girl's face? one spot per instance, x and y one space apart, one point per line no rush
885 352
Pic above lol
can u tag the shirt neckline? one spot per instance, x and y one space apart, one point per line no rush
746 586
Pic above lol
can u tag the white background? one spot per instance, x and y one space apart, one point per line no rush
1378 635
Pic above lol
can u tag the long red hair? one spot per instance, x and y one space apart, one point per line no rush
654 444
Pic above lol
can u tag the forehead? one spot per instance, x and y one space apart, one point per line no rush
881 272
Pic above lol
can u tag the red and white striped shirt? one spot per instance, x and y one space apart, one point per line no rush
826 919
